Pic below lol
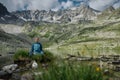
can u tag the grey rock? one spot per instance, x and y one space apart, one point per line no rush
27 76
10 68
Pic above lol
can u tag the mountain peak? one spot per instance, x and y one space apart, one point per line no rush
3 10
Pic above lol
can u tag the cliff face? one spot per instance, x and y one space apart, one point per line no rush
8 18
3 10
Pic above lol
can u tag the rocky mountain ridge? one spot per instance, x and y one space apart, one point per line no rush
8 18
82 12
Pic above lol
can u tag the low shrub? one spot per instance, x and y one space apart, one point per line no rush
48 56
21 55
43 58
33 34
24 55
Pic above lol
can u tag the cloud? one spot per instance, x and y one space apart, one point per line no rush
117 5
42 4
102 4
64 5
14 5
67 4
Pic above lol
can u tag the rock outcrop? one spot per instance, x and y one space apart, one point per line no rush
3 10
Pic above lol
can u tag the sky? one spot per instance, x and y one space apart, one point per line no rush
13 5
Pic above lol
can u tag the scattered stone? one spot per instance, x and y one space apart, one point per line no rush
104 59
10 68
2 73
11 53
45 65
106 72
34 65
117 68
116 62
78 58
28 65
16 76
27 76
38 73
23 63
5 75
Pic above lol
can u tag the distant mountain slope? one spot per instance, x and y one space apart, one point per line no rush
10 42
11 36
110 14
8 18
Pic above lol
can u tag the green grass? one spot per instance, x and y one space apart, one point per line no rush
66 71
117 49
21 54
33 34
47 35
24 54
48 57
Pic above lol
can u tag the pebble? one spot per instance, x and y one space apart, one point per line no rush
27 76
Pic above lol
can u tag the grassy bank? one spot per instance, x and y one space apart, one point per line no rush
71 71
